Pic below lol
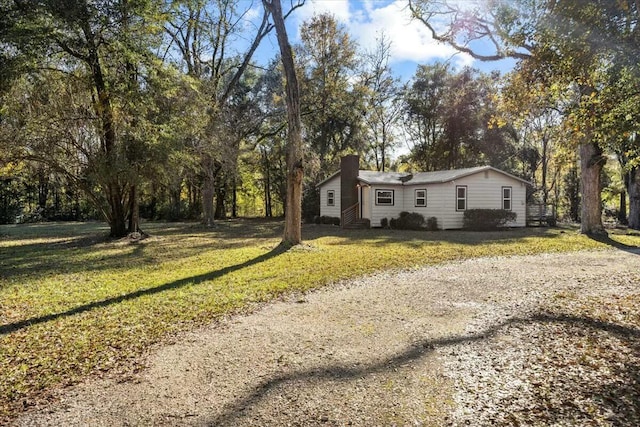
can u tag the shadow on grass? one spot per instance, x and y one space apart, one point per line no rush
235 411
71 245
607 240
418 238
16 326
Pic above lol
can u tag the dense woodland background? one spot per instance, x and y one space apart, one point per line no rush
129 109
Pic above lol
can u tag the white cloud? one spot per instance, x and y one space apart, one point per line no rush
410 40
367 19
338 8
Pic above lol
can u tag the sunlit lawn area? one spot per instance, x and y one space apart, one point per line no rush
73 303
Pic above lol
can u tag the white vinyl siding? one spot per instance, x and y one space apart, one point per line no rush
333 185
387 211
366 201
484 191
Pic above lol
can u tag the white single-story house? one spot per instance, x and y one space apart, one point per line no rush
352 194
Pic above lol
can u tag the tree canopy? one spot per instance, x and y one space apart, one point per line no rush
125 109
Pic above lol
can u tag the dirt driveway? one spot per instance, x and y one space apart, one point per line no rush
397 348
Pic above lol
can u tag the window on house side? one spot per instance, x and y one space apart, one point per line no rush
461 197
421 197
506 198
331 198
384 197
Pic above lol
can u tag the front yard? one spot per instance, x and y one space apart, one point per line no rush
74 304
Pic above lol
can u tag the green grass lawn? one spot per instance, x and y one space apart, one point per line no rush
74 303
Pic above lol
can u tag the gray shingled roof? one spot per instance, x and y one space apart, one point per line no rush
445 176
406 178
399 178
375 177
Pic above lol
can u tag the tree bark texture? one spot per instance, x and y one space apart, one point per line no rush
295 161
622 212
210 169
633 189
591 164
134 210
221 195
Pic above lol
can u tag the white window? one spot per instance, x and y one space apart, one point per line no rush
421 197
461 197
384 197
506 198
331 198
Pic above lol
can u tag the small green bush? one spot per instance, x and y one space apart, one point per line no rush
487 219
432 223
384 223
408 221
326 220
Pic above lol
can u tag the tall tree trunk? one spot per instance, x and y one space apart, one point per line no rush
221 195
591 164
268 210
134 210
234 198
633 188
116 217
208 211
383 150
208 190
104 110
295 161
545 167
622 211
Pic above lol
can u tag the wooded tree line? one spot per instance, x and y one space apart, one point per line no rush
136 108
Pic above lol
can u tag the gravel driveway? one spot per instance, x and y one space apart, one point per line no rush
440 345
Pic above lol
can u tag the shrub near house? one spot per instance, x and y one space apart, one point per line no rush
408 221
487 219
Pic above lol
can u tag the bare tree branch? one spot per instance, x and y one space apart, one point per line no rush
482 28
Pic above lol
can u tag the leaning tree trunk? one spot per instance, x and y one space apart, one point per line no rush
633 188
295 161
591 163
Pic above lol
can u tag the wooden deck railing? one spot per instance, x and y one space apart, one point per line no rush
540 213
350 215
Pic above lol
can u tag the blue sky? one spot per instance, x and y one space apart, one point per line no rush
411 42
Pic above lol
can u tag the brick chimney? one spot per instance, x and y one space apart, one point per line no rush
349 166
